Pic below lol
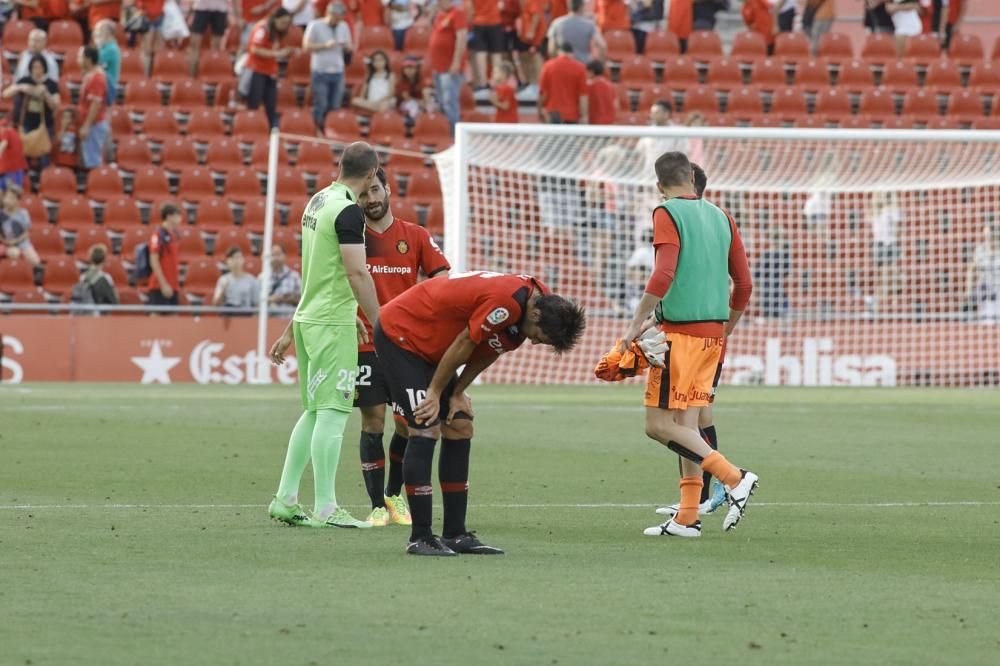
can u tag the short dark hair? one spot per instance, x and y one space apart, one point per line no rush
566 47
380 174
358 160
700 179
562 321
233 250
596 67
38 58
168 209
98 253
576 6
673 169
667 106
90 53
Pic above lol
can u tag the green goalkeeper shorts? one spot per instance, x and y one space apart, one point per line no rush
328 365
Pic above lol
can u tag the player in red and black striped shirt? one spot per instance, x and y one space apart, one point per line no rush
397 251
422 338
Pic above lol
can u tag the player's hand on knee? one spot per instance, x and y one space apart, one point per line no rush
459 403
428 409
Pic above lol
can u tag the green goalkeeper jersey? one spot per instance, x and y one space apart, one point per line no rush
332 218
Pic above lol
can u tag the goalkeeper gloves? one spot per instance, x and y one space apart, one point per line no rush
616 366
654 346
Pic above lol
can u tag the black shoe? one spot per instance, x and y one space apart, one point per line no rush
469 544
429 545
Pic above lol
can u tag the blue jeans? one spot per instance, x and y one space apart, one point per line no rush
447 87
92 150
398 37
328 93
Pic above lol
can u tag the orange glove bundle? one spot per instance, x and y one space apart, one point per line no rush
616 366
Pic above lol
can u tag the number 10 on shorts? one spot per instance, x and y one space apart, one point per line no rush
416 396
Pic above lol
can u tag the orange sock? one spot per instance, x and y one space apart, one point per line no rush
690 497
716 464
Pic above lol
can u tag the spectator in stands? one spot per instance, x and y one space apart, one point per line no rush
562 97
771 270
612 15
12 162
302 11
906 21
785 14
661 114
37 43
529 46
109 56
503 97
264 49
368 13
885 219
983 282
208 15
647 17
286 284
602 95
580 32
36 97
249 13
704 12
680 21
817 19
94 130
877 18
15 227
412 91
604 233
638 268
237 288
956 10
377 91
95 286
695 146
816 211
446 52
510 14
400 19
97 11
326 39
759 16
487 38
164 260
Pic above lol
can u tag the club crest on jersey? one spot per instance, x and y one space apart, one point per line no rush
317 201
498 316
402 247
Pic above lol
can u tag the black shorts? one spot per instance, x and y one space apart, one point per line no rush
372 386
203 20
487 38
408 377
157 298
513 43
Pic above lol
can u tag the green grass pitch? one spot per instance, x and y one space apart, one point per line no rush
133 531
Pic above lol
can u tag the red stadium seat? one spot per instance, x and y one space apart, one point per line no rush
142 96
835 47
254 212
86 238
298 209
855 75
17 275
965 105
206 126
121 213
291 186
985 78
942 123
250 126
287 98
407 158
704 45
943 76
132 152
61 275
418 37
113 266
187 95
375 37
621 44
385 128
966 49
745 102
74 213
214 67
190 244
35 208
792 46
635 72
316 157
57 183
234 237
701 99
424 187
201 277
769 74
855 122
121 123
150 183
65 37
259 156
177 153
748 46
466 99
899 77
832 104
298 121
15 35
196 185
224 155
991 123
432 129
47 241
133 236
922 49
661 45
921 104
879 48
812 74
285 237
724 74
104 183
29 297
160 125
242 185
132 68
170 66
877 104
680 73
342 124
214 215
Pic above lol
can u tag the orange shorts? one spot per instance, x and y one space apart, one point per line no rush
687 381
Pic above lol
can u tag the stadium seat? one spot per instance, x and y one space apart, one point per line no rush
160 125
922 49
214 215
898 122
985 79
186 95
133 236
47 240
748 46
60 276
832 104
224 155
259 156
855 75
129 296
120 213
114 267
406 158
57 183
680 73
991 123
242 185
920 104
287 97
291 186
104 183
15 36
297 121
704 45
417 38
789 103
943 76
149 183
226 95
250 126
466 99
254 212
792 47
298 209
877 104
196 185
170 66
965 105
404 210
879 48
234 237
35 208
132 152
121 122
74 213
424 187
342 124
142 96
29 297
899 77
285 237
315 157
942 123
201 277
190 243
214 67
206 126
835 47
177 153
65 37
745 102
724 74
769 74
635 72
385 128
812 74
966 49
432 129
375 37
621 44
701 99
17 275
86 238
661 45
132 68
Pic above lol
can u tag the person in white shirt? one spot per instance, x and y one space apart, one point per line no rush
37 41
401 17
906 21
302 11
983 282
886 219
327 39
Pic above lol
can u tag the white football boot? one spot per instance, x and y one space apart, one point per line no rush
671 528
739 497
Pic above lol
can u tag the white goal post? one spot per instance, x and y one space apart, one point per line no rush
875 253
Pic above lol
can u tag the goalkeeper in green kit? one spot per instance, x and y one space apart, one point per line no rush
326 330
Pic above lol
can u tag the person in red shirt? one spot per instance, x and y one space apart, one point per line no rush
95 131
530 36
487 38
759 16
398 251
98 10
558 8
422 338
152 38
680 21
503 95
265 48
370 12
164 262
612 15
12 161
562 96
602 95
248 13
446 52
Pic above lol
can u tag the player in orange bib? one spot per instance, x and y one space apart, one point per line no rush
698 249
397 252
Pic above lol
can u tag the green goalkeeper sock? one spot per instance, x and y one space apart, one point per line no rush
327 437
296 458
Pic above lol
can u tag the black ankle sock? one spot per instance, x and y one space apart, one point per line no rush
417 466
453 474
710 436
373 466
397 449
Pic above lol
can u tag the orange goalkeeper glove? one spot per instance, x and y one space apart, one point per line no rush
616 366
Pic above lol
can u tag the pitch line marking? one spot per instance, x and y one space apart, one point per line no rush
648 505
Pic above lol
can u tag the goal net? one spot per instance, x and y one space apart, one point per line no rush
875 253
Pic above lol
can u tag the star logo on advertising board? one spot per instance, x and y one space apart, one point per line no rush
156 367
